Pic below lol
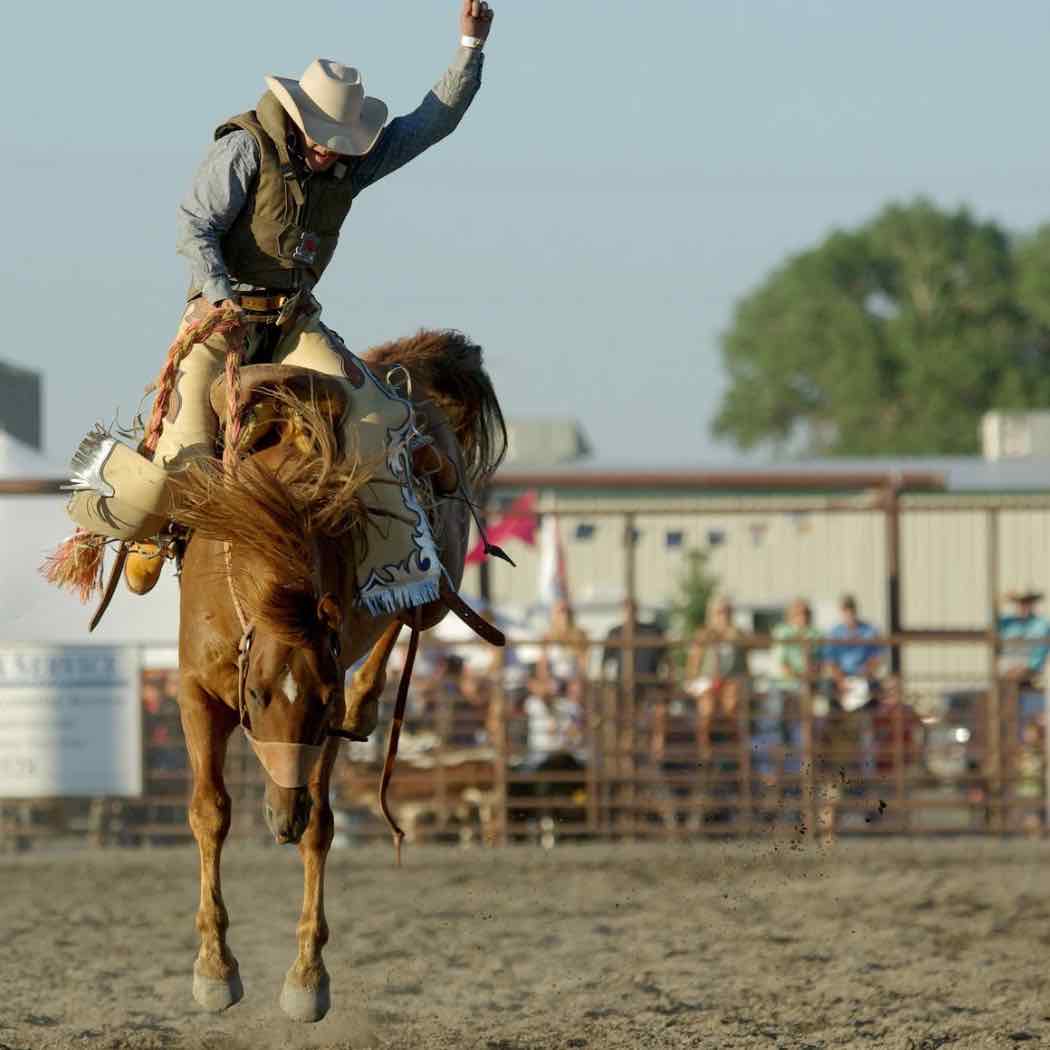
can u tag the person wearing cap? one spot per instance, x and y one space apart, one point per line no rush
263 218
1023 664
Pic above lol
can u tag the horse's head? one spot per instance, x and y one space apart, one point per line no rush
290 696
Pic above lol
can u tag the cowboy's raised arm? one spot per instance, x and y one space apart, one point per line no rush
404 138
219 192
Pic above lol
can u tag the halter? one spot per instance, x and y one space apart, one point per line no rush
287 765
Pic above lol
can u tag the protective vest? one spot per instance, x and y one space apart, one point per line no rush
285 236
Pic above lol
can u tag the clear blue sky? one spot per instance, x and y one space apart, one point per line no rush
627 172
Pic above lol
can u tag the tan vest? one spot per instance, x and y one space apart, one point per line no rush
285 236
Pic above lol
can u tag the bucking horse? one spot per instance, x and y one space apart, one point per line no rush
345 516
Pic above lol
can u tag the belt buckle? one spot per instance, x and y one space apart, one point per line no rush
289 308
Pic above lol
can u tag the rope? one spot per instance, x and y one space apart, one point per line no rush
233 405
395 733
227 553
226 322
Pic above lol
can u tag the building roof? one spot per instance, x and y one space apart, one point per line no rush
947 473
545 442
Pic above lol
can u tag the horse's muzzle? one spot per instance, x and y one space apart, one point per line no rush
287 817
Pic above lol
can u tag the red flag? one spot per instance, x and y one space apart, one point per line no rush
518 523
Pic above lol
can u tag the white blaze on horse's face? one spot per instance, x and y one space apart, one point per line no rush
290 687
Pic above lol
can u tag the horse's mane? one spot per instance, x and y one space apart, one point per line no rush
447 369
278 505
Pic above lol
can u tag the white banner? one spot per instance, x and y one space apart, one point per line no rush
70 721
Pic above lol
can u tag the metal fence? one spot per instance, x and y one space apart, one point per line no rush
638 757
952 744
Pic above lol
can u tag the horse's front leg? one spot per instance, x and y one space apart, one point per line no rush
305 995
207 725
367 685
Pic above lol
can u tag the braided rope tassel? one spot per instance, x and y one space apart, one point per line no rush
76 564
233 404
227 322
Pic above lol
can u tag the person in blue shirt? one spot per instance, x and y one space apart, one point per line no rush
859 659
1022 665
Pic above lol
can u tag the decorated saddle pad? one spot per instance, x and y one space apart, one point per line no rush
122 495
401 568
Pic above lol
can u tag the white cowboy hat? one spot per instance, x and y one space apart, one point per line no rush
329 104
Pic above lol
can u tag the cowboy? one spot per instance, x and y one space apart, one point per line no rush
1022 664
263 217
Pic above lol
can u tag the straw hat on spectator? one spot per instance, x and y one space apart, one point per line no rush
1025 597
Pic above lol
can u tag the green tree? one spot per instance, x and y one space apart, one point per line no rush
689 609
891 339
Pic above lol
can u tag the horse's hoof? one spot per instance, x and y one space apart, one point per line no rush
305 1004
216 994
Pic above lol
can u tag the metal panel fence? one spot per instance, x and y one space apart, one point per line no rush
950 740
629 760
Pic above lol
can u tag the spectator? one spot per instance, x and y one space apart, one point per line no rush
554 723
1022 665
890 711
853 669
439 698
717 658
650 661
477 720
717 676
555 747
1031 777
778 724
674 749
838 747
893 720
566 647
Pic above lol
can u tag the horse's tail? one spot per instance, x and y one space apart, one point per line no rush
447 368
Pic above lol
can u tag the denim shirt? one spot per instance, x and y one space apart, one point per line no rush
1032 628
223 182
851 660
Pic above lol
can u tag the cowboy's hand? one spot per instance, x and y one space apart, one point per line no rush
475 19
231 304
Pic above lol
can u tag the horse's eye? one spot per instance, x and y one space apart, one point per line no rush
254 695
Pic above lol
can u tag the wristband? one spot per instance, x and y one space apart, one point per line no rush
473 42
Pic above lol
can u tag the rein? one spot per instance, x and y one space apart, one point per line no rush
395 732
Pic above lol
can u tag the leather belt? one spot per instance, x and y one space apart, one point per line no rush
263 304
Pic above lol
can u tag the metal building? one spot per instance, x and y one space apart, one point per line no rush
21 404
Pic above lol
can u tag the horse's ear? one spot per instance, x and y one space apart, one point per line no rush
329 613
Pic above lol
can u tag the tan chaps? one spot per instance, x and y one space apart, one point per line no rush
131 504
190 429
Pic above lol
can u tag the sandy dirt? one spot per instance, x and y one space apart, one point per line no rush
913 945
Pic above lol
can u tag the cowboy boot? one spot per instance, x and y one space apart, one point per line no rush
142 568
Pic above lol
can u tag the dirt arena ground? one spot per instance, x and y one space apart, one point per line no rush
913 945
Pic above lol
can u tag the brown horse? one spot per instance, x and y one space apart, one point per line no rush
269 624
